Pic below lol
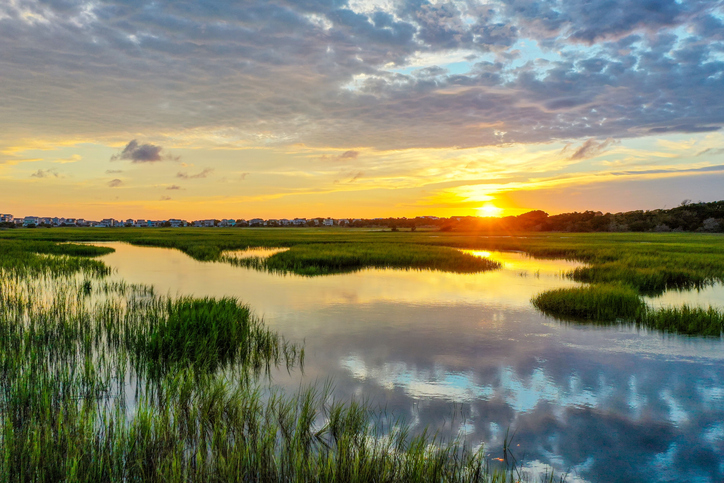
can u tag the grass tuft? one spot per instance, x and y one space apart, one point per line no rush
611 304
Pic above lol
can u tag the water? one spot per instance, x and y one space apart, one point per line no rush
467 355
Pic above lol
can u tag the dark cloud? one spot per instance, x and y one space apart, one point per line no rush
319 72
689 128
589 149
142 153
173 187
114 183
711 151
45 173
202 174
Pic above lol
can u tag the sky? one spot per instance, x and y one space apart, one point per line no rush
358 108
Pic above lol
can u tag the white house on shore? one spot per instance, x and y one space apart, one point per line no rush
30 220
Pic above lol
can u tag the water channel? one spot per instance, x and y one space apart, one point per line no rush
467 355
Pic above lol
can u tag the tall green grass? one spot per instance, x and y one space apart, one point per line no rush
105 381
36 257
596 302
611 304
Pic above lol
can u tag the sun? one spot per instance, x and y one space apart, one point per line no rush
488 210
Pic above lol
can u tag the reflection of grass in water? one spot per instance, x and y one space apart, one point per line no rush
610 304
105 381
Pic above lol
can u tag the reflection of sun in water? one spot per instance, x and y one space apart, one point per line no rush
489 209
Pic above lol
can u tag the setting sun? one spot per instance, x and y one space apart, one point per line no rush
489 209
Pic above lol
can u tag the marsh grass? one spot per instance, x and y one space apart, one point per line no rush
37 257
107 381
330 258
612 304
593 302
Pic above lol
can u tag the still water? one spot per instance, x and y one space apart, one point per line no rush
467 355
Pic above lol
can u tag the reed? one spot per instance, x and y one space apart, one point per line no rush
107 381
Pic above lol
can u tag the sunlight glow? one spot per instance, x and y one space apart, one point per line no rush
489 209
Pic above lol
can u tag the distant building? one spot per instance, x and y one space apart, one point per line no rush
227 222
328 222
299 221
30 220
175 223
256 222
6 218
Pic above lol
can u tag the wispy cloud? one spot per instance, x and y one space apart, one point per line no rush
349 155
45 173
589 149
202 174
115 183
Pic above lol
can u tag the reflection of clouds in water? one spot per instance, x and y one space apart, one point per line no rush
525 393
420 384
677 415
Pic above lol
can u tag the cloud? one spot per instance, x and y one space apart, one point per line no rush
142 153
352 177
114 171
687 128
349 155
173 187
590 149
711 151
243 176
388 75
165 198
114 183
45 173
202 174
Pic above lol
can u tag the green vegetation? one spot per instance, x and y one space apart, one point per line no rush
608 304
597 302
328 258
648 263
106 381
30 257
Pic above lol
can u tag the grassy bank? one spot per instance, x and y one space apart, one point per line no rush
649 262
610 304
106 381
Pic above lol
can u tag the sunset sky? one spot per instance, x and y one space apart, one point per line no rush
359 108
